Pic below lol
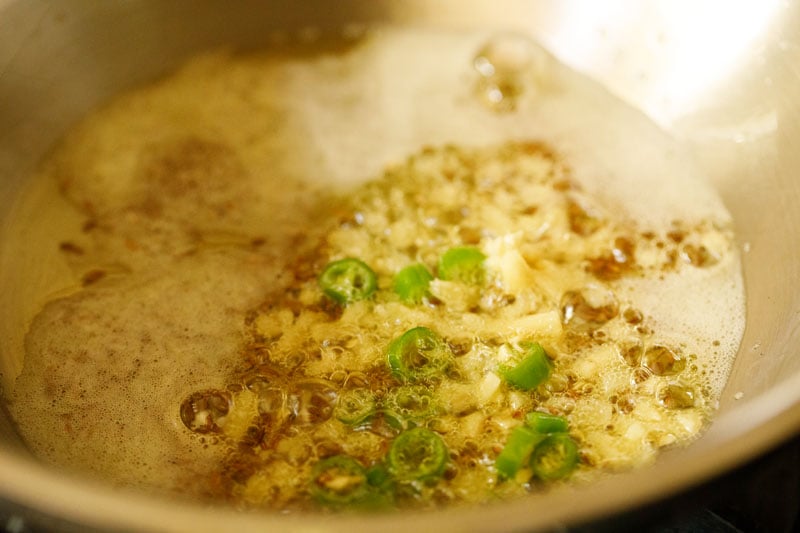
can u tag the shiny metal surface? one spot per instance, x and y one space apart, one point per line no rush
722 77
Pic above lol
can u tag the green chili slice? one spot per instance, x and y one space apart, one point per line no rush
419 354
355 406
412 283
348 280
531 371
382 488
555 457
339 481
378 476
546 423
464 264
407 404
418 454
519 446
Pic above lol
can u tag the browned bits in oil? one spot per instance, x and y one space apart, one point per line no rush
89 225
191 167
312 401
564 185
624 250
452 217
250 317
93 276
698 256
239 470
640 375
469 235
253 437
589 306
534 148
663 361
459 348
632 316
347 219
615 264
201 412
676 236
70 248
580 221
304 268
625 403
676 397
599 335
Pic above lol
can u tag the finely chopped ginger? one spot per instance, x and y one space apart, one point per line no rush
515 308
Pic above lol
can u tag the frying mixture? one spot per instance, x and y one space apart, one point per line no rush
412 269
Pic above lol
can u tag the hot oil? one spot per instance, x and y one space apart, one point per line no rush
179 211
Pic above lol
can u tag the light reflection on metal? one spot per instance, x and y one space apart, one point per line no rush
665 56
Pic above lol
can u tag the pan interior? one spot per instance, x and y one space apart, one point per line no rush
735 136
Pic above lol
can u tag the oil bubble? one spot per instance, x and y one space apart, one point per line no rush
509 66
204 411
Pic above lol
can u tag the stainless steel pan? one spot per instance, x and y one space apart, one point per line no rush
722 77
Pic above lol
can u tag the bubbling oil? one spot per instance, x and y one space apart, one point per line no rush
202 207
